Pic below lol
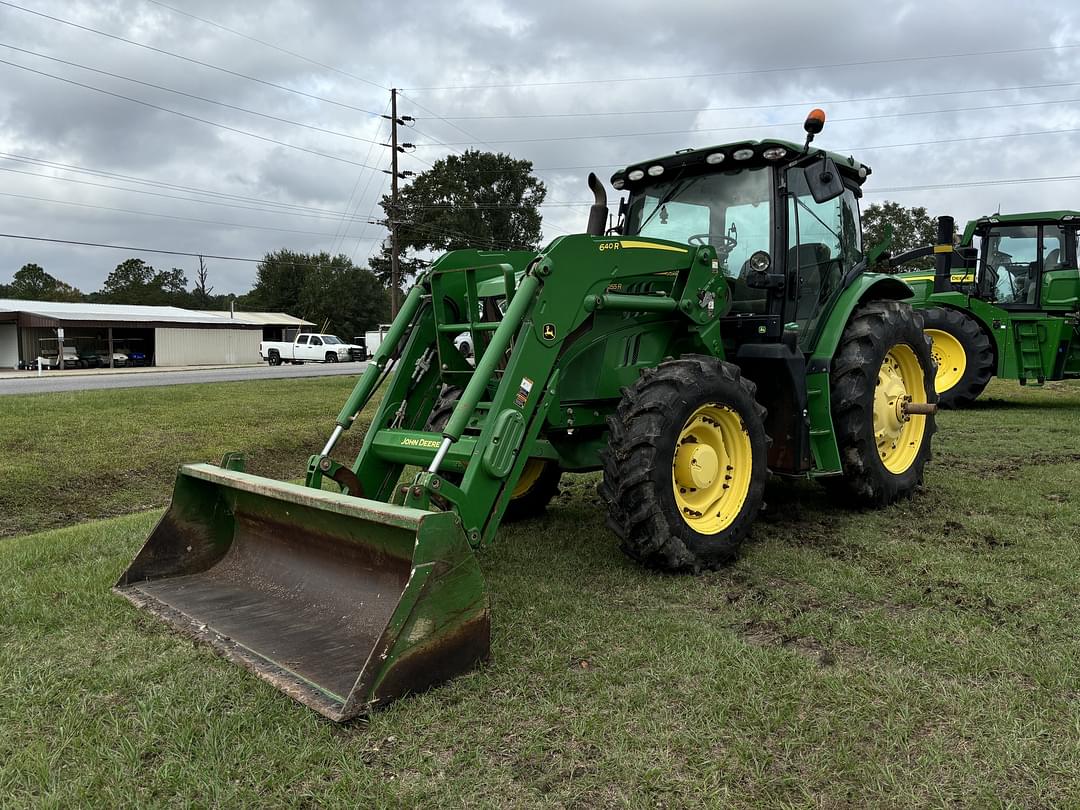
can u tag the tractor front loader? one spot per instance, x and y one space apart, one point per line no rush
724 330
1007 307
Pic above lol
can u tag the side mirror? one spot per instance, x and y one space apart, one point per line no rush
823 179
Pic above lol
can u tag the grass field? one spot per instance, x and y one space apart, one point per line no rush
923 655
71 457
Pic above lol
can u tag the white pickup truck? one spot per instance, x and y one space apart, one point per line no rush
306 348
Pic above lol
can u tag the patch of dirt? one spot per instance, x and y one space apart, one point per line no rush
766 635
1007 468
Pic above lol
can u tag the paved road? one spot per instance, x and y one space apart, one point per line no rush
31 384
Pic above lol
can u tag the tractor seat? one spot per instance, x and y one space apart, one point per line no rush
815 265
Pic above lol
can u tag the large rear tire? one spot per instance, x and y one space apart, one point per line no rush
685 466
963 353
883 362
539 480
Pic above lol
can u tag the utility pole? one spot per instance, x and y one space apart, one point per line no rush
395 271
395 149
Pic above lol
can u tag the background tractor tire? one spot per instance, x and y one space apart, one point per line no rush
664 422
964 354
880 465
539 481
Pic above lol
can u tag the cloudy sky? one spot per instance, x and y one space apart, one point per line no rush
571 86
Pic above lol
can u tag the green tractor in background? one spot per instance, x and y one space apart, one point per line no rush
1009 307
724 330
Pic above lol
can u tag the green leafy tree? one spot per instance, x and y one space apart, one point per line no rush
32 283
321 288
912 227
474 200
279 281
135 282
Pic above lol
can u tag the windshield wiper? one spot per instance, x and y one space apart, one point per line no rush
808 210
675 189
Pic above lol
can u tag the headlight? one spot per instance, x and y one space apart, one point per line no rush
760 261
656 171
636 174
743 154
714 158
774 153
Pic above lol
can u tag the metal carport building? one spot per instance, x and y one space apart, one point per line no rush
165 336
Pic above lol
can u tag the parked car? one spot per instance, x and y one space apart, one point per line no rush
306 348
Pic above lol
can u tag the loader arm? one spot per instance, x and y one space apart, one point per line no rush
498 422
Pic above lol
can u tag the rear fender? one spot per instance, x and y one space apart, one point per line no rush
866 287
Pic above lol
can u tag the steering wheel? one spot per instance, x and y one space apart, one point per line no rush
725 245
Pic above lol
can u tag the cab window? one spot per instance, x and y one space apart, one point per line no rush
302 340
729 210
824 243
316 341
1014 257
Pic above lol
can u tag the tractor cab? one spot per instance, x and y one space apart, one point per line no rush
783 219
1027 261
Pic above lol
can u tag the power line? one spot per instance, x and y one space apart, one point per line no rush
785 69
267 44
342 231
159 184
975 183
434 114
186 115
339 216
848 149
744 107
186 58
162 216
131 249
784 125
189 95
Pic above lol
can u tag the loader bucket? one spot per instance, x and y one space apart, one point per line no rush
342 603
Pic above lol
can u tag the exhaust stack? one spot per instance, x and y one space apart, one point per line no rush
598 213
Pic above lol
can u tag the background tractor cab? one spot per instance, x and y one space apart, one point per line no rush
1003 303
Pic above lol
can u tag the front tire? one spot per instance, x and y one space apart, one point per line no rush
685 466
537 484
882 364
331 357
963 353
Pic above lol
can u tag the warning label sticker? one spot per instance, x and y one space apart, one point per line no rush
523 392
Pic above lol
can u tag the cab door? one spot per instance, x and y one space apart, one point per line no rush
315 349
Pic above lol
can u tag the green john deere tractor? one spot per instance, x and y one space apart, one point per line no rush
724 330
1008 308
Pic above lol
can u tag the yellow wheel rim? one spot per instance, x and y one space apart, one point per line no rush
530 474
949 357
899 435
710 473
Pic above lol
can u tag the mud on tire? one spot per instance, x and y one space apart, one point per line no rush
644 436
978 351
873 330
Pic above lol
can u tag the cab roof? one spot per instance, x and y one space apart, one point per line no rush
1031 217
722 157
